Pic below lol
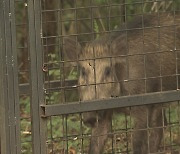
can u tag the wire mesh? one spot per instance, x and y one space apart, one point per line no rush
143 41
68 134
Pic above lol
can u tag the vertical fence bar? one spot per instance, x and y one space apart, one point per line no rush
10 129
14 77
33 81
36 78
37 8
3 83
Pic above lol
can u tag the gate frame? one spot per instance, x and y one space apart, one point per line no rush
38 126
9 96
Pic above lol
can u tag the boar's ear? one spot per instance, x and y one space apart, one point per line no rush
72 48
119 51
119 45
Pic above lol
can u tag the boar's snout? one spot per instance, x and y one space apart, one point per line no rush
89 119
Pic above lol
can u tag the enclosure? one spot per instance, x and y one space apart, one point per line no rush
42 100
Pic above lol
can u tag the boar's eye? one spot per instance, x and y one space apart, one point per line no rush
83 71
107 71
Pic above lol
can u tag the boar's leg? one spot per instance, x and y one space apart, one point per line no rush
145 141
100 134
140 144
156 123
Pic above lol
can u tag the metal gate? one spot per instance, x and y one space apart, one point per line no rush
41 107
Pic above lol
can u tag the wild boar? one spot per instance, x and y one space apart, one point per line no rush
140 57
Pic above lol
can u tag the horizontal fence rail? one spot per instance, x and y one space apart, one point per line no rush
25 87
125 101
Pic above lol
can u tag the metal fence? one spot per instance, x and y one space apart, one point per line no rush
130 93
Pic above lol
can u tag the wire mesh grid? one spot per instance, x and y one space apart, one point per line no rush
143 31
143 42
68 134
